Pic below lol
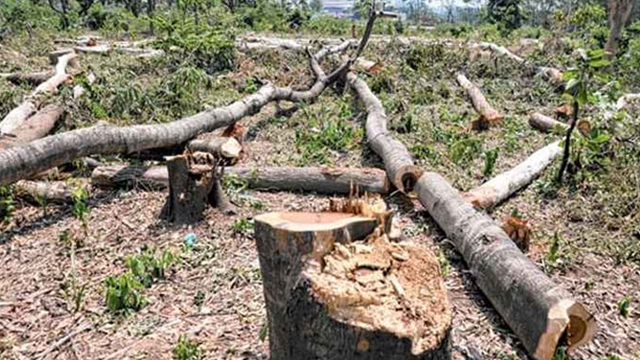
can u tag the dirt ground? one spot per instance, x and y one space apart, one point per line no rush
214 295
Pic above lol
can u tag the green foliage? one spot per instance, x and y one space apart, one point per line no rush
490 158
456 30
80 198
623 306
589 23
187 350
74 293
324 134
147 266
558 255
243 226
561 353
465 149
123 294
7 202
180 89
505 13
210 48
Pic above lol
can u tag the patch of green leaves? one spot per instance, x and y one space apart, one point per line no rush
187 350
623 306
7 202
243 226
464 150
148 266
490 158
558 256
123 294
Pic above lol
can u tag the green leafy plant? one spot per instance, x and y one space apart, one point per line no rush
147 267
558 255
465 149
123 294
74 293
7 203
187 350
623 306
490 158
80 197
243 226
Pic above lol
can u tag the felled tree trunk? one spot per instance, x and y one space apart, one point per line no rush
19 115
220 147
545 123
36 127
332 296
506 184
23 161
397 161
36 78
488 115
539 312
39 192
332 181
549 74
190 182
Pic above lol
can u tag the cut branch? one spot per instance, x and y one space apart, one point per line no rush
488 115
23 161
220 147
36 78
332 181
545 123
397 161
506 184
35 127
539 312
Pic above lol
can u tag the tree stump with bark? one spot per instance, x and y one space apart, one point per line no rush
337 288
194 182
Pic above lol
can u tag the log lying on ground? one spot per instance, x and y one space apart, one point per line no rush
545 123
397 160
332 181
220 147
331 295
35 127
550 74
506 184
488 115
539 312
40 192
23 161
501 51
20 114
35 78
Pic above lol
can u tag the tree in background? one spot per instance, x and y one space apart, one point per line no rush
619 12
505 13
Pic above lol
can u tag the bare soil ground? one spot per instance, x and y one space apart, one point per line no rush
214 295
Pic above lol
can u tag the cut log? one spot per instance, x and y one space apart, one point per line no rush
23 161
40 192
190 182
501 51
331 295
35 78
331 181
35 127
545 123
488 115
17 117
549 74
506 184
539 312
59 77
397 161
220 147
552 75
55 55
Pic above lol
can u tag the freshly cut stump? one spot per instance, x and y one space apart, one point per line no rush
332 295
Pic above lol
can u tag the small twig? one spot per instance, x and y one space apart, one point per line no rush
64 340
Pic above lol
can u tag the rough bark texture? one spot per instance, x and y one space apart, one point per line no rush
397 160
619 12
22 161
221 147
488 115
506 184
35 127
545 123
538 311
190 183
330 296
332 181
38 192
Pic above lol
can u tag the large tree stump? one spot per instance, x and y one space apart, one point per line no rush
332 295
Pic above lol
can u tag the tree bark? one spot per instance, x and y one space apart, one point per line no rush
332 296
21 162
190 182
539 312
545 123
220 147
35 78
397 161
619 12
506 184
331 181
39 192
35 127
488 115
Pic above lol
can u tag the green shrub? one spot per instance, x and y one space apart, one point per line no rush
147 267
123 294
187 350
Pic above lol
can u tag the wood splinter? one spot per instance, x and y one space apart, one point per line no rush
336 288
